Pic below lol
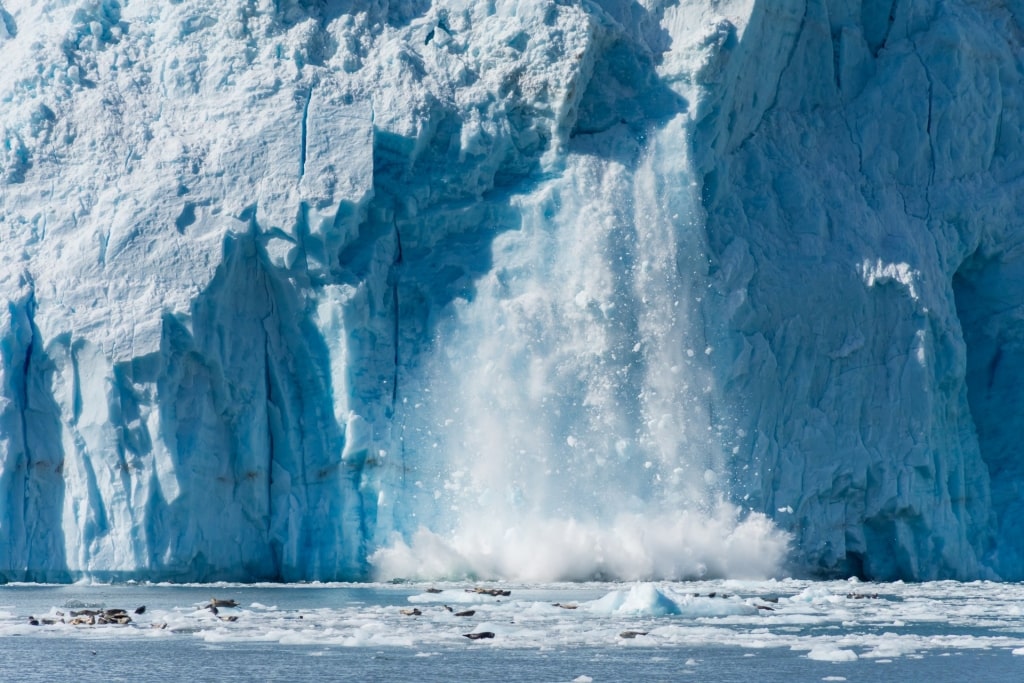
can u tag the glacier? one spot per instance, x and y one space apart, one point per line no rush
321 290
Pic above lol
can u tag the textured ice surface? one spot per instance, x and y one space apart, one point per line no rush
863 216
547 290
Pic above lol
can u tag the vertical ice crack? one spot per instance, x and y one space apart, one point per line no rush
305 133
275 549
888 26
928 121
789 60
778 81
399 421
395 326
26 371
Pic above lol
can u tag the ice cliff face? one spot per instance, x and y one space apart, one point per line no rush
863 195
290 285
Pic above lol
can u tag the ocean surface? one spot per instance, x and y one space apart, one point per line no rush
701 631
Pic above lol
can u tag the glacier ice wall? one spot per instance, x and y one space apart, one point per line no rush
290 284
861 176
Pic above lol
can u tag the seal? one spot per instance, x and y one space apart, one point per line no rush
223 603
479 636
494 592
121 619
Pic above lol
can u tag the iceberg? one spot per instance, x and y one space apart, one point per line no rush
615 289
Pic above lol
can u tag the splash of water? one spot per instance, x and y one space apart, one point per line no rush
563 425
633 547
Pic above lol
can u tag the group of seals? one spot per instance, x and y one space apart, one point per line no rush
120 617
478 590
494 592
90 617
416 612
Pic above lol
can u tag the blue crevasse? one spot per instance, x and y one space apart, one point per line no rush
542 290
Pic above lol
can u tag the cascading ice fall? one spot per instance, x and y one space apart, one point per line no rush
560 428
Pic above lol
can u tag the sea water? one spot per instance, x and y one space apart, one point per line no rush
705 631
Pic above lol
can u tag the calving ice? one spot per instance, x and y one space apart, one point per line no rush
629 290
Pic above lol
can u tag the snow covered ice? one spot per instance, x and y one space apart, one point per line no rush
536 290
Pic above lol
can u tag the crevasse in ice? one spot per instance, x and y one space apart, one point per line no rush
322 290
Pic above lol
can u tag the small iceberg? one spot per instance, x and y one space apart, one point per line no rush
643 599
648 600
